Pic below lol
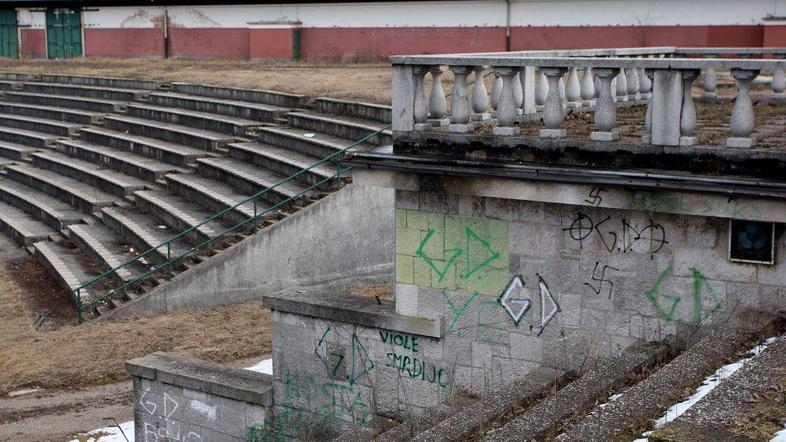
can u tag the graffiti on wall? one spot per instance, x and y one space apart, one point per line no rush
622 236
687 306
353 365
451 252
517 301
159 423
407 359
599 278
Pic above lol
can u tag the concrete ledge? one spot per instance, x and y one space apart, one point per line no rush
354 309
215 379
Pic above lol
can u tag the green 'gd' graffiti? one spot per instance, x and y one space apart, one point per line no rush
451 252
666 304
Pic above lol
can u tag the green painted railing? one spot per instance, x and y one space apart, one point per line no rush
81 306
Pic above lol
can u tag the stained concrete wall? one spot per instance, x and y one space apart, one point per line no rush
344 240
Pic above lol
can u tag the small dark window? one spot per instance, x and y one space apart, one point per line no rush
752 241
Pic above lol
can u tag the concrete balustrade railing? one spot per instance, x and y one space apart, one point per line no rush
601 80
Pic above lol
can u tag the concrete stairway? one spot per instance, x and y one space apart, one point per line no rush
97 170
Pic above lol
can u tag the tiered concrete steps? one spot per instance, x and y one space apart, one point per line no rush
72 102
80 195
19 226
91 91
51 113
196 138
41 206
180 214
350 128
16 151
166 152
195 119
109 181
68 266
105 248
306 141
144 232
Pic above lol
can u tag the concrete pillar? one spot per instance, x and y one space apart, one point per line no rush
632 80
688 111
666 106
506 111
518 92
403 98
587 87
437 104
421 105
647 138
496 91
459 100
622 87
573 88
553 110
480 97
710 83
527 75
541 90
605 109
645 84
742 117
778 80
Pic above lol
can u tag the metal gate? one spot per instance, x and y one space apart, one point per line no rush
63 33
8 34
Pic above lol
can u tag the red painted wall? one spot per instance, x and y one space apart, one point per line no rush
774 35
382 42
270 43
33 43
131 42
208 42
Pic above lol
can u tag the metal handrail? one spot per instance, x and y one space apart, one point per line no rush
170 260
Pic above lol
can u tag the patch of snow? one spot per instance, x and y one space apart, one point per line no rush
264 366
112 434
779 436
709 384
23 392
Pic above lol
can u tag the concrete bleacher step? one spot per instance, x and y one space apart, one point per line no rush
109 181
20 226
275 98
214 194
350 128
144 232
59 128
105 248
232 108
175 154
80 195
131 164
195 138
198 120
16 151
26 137
83 103
248 178
367 111
69 268
51 112
471 419
646 400
757 385
307 142
10 85
180 214
283 161
98 92
39 205
110 82
19 76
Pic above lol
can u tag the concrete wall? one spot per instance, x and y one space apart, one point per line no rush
378 29
343 240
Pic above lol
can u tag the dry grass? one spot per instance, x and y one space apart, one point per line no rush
348 80
72 356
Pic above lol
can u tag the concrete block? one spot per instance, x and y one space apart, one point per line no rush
741 296
460 128
526 347
419 127
524 238
553 133
525 211
407 300
740 142
713 264
439 122
688 141
666 107
481 117
470 206
570 314
510 131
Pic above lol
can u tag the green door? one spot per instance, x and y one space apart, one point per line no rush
63 33
8 35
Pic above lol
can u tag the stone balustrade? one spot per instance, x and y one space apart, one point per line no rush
547 83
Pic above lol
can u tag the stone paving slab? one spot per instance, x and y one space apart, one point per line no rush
471 419
628 414
573 398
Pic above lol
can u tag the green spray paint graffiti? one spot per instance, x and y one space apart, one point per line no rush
457 312
332 355
666 305
451 252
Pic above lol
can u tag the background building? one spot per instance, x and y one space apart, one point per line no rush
373 29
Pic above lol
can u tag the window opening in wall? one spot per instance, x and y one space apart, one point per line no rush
752 241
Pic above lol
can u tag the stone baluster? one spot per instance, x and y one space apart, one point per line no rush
647 138
645 84
742 117
460 107
688 113
496 91
778 80
553 110
421 104
596 85
573 88
506 110
587 87
710 83
622 86
437 104
480 97
541 90
518 92
605 110
632 81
